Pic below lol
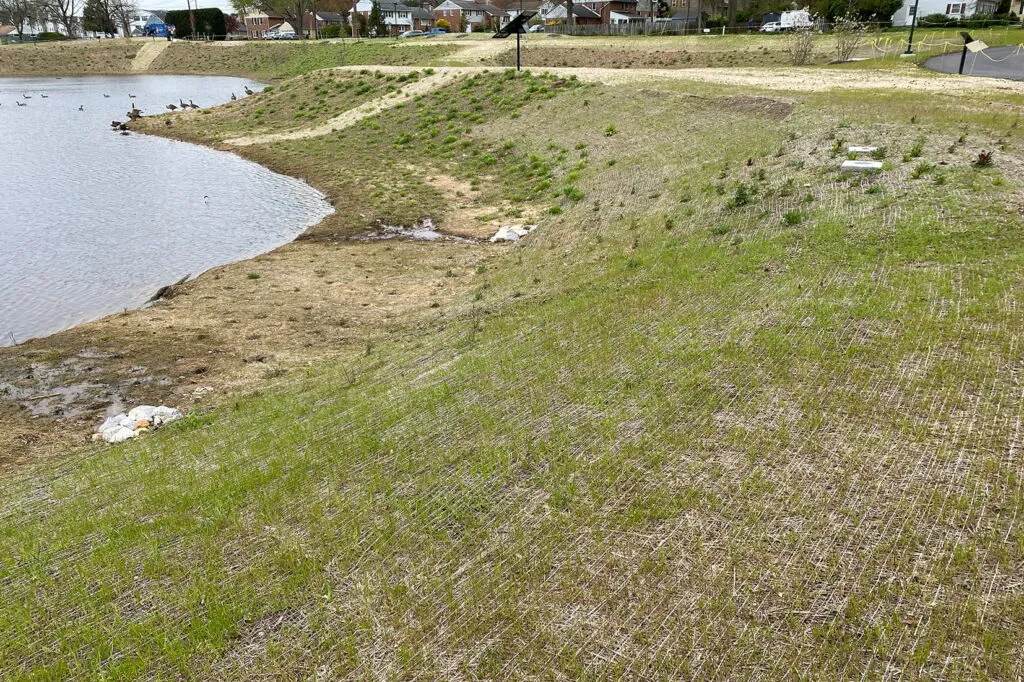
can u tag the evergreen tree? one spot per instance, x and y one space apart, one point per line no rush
96 17
377 24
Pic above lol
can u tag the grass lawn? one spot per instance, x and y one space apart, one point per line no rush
729 413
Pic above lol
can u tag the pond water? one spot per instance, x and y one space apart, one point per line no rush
93 222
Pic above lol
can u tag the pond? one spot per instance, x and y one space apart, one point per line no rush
93 221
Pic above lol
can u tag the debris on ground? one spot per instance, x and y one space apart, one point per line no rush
862 166
861 150
512 233
139 420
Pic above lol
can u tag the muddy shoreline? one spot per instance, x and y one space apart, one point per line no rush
232 328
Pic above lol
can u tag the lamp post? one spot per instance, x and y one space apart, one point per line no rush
913 23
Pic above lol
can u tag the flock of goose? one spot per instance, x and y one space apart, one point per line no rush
134 112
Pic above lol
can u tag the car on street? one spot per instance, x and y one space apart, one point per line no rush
435 32
771 27
539 28
410 34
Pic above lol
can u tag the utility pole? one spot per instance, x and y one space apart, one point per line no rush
913 23
192 17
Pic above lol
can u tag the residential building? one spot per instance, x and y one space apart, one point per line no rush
582 14
258 24
398 17
954 10
477 16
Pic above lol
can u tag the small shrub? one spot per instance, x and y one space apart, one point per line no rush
793 217
610 130
878 154
253 275
921 170
914 152
984 159
555 210
743 196
571 193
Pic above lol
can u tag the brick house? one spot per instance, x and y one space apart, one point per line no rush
258 23
478 16
604 8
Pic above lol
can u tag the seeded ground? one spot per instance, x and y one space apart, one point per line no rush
728 413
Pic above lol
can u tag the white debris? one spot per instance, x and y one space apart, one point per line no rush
512 233
139 420
861 150
862 166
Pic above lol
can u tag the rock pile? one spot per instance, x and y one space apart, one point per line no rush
139 420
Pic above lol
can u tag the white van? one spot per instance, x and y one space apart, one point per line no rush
798 18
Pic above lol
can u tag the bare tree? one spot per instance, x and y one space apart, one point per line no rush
849 34
122 12
800 44
64 12
292 11
18 13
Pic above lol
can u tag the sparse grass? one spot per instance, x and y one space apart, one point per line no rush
759 452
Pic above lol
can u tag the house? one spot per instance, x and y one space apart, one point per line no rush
582 14
477 16
323 19
8 33
511 12
604 8
398 17
954 10
258 24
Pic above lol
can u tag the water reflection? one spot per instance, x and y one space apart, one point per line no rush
92 221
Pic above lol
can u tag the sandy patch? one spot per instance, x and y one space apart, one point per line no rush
147 54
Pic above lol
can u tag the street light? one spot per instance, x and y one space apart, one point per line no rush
913 23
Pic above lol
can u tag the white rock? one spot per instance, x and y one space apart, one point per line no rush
142 412
861 150
512 233
118 434
111 422
862 166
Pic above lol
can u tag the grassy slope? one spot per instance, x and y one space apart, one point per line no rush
286 59
729 414
39 59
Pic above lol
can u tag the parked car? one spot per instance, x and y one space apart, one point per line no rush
410 34
435 32
771 27
539 28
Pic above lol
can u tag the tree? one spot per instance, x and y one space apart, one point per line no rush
96 18
570 17
292 11
210 21
17 13
65 12
360 25
377 25
848 33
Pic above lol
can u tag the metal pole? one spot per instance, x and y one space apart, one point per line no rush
963 58
519 66
913 23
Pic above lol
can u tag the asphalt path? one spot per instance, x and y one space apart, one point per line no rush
993 62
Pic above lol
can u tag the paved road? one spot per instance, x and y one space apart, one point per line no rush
1007 64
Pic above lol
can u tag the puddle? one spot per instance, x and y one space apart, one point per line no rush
55 401
423 231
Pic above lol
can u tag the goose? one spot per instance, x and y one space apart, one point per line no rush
26 96
247 90
181 103
106 95
172 107
81 107
125 132
193 104
116 124
233 98
131 96
44 96
21 104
